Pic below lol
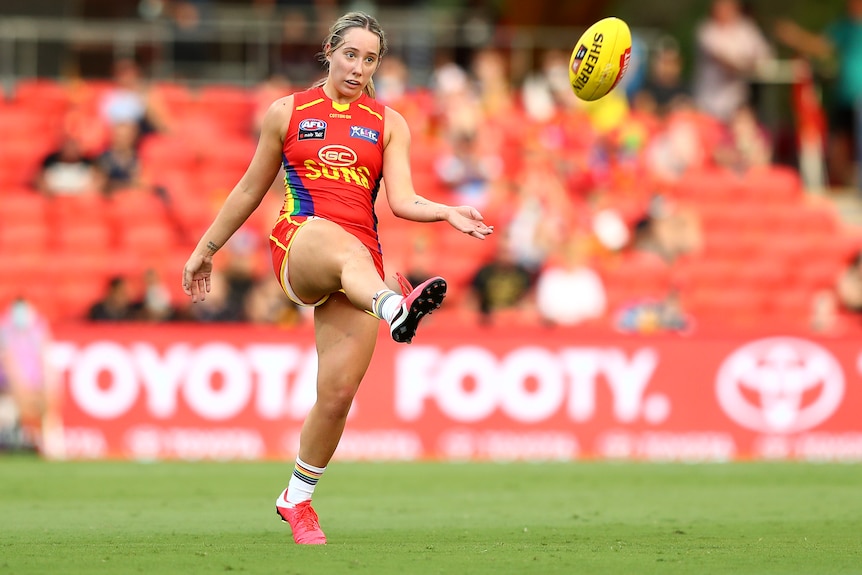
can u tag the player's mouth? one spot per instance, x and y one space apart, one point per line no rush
353 83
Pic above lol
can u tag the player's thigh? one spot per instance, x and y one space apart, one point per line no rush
345 338
317 255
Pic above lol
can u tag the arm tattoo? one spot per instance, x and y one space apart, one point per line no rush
211 248
420 203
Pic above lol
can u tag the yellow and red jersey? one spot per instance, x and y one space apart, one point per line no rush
333 162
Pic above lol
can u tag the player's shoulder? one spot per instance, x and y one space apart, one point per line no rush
393 116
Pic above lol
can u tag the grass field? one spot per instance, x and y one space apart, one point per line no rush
382 518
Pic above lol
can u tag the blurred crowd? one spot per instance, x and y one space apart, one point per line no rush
577 191
607 213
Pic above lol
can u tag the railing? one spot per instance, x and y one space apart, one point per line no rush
239 49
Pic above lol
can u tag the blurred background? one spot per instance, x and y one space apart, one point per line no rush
720 190
715 191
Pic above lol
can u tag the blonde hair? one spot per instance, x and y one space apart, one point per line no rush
336 39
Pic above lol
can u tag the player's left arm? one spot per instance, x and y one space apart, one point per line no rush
403 199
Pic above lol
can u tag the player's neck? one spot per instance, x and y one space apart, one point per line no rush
337 96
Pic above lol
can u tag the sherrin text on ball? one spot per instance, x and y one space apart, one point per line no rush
600 58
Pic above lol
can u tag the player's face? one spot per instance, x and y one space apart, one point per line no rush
352 64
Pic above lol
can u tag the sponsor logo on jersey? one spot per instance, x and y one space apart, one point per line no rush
312 129
337 156
364 133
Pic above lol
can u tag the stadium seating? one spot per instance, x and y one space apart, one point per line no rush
768 247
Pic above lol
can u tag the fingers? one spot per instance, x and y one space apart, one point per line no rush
196 287
187 282
481 231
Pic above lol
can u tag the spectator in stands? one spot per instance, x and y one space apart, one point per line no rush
457 101
276 86
568 289
677 146
392 82
667 231
25 373
265 304
466 172
155 304
664 88
825 317
119 166
745 143
131 100
654 315
501 284
189 49
67 171
420 260
848 286
542 213
219 306
842 39
296 55
730 48
547 91
116 305
492 81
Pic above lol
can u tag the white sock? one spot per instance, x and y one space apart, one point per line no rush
302 482
386 303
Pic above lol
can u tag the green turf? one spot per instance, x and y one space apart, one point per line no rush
405 519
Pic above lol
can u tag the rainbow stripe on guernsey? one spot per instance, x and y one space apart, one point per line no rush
306 475
297 199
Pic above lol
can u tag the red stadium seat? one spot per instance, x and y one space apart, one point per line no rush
712 185
176 98
24 236
228 155
20 162
83 235
790 306
96 262
817 274
133 206
725 306
774 184
42 94
146 241
760 275
21 204
165 153
231 107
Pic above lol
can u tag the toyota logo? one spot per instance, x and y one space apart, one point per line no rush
780 385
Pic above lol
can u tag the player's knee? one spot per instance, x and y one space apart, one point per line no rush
337 399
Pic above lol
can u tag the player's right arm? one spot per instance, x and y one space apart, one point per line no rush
242 200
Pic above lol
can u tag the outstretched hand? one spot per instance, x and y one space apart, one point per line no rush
467 219
196 277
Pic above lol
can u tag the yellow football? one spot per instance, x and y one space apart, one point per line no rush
600 58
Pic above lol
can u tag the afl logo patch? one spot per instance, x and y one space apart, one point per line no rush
312 129
364 133
579 57
337 156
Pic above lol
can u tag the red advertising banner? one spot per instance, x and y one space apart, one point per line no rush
223 392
